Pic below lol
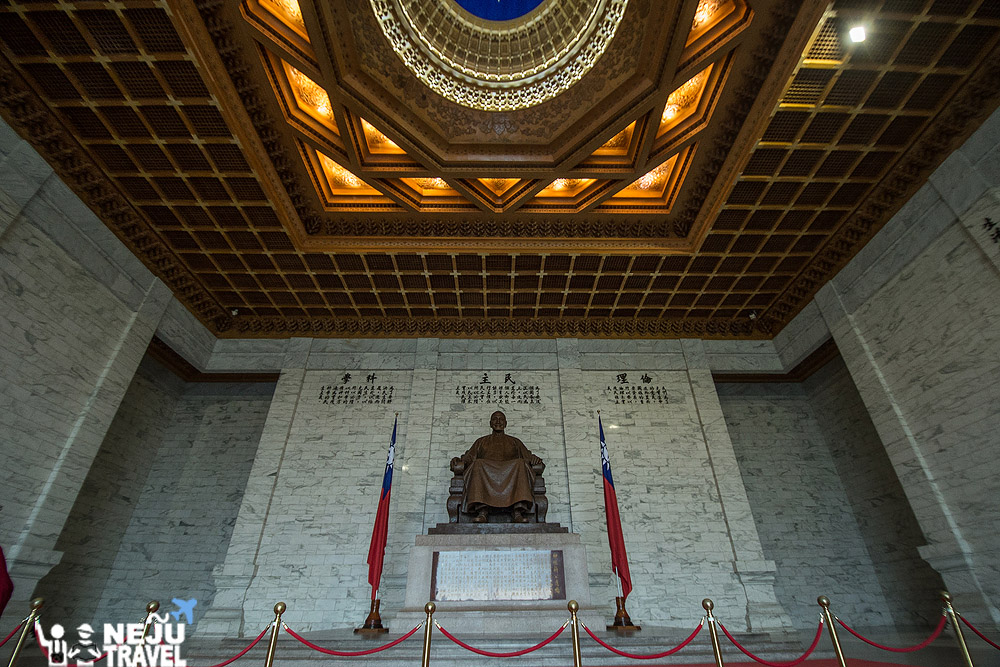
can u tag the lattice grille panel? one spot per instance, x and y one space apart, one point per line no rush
120 78
839 129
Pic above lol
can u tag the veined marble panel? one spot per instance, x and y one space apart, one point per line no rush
325 494
186 335
806 332
354 346
629 362
602 346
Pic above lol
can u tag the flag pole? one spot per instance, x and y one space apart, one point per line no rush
619 559
376 551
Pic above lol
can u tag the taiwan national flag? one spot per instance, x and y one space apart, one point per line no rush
619 559
380 534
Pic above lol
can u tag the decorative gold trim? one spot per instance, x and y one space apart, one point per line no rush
468 87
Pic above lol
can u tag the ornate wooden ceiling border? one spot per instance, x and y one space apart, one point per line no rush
37 123
644 234
976 100
495 327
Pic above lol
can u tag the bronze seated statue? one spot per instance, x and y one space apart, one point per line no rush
498 480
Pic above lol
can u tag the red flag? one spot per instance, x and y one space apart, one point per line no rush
380 533
6 585
619 559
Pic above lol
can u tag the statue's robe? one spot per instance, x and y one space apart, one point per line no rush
497 473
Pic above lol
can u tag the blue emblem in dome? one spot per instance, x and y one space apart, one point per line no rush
498 10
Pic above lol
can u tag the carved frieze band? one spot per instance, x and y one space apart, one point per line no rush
496 327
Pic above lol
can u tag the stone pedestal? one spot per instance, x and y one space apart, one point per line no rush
496 617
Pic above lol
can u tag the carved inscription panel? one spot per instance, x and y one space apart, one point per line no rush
497 575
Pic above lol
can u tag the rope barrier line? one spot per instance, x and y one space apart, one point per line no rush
491 654
654 656
908 649
971 627
12 633
799 660
350 654
236 657
244 651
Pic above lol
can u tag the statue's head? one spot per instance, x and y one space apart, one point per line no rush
498 421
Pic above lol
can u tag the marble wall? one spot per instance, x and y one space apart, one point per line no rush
885 520
687 521
914 316
102 513
799 503
78 313
156 511
183 518
827 503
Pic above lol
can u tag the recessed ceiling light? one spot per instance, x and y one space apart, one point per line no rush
858 33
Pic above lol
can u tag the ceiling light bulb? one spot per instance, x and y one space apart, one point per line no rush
857 33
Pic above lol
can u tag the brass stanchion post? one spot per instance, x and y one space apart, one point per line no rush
824 602
151 609
574 624
29 624
428 626
279 609
955 623
713 632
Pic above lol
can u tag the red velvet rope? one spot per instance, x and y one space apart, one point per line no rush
636 656
908 649
352 654
491 654
12 633
800 659
244 651
971 627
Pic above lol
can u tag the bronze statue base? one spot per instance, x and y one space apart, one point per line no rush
373 623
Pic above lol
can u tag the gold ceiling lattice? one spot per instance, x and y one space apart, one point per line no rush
145 123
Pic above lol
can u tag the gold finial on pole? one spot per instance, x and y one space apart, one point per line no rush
279 609
29 623
953 619
713 632
429 609
151 608
824 602
574 625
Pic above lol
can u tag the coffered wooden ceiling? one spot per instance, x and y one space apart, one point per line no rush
282 170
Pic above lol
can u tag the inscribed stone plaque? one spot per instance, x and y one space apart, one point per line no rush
497 575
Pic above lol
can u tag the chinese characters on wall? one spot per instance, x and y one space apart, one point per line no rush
357 394
625 392
504 393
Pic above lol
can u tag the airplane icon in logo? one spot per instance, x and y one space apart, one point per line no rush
185 607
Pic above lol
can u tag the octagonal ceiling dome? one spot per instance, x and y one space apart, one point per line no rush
499 65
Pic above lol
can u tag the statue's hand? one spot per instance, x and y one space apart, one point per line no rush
457 464
534 460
